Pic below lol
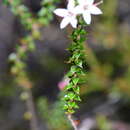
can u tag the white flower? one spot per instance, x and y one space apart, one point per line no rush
69 15
87 7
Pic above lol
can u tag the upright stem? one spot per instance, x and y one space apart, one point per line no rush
72 122
31 109
77 69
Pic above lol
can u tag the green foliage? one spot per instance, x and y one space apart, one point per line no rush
31 24
78 63
53 114
103 123
109 64
45 14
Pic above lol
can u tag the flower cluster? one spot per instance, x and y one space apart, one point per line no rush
84 8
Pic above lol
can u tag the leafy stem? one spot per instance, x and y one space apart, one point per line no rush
77 69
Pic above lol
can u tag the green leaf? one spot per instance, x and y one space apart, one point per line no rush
69 96
72 105
71 111
80 63
69 86
65 107
76 89
77 98
75 81
73 69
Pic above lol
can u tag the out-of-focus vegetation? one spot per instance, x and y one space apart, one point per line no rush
106 92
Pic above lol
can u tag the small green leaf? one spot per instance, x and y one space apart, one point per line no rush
80 64
77 98
72 105
65 107
69 86
76 89
70 96
75 81
73 69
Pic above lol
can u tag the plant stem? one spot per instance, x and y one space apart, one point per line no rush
77 70
72 122
31 109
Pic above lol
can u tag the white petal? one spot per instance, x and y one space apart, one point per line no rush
71 5
87 17
64 22
78 9
61 12
74 22
95 10
81 2
90 2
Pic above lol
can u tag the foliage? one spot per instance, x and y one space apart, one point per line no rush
108 66
57 114
77 61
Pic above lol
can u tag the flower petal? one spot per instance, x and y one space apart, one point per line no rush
89 2
81 2
61 12
78 9
84 2
87 17
95 10
64 22
71 4
74 22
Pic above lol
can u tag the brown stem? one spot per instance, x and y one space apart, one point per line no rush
31 109
72 122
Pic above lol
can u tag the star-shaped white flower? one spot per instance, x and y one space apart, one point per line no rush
69 15
87 7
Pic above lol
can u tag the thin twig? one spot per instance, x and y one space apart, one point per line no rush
31 109
100 2
72 122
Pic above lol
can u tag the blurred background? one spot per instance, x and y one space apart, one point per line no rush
31 101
